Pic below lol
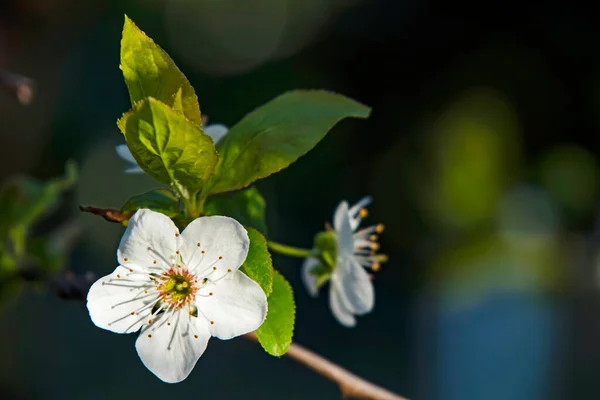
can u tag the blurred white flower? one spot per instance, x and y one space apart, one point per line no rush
178 290
351 289
215 131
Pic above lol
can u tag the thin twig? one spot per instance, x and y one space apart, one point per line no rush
19 86
351 386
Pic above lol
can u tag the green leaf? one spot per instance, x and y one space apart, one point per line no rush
24 200
160 200
273 136
258 265
150 72
50 252
246 206
275 334
168 146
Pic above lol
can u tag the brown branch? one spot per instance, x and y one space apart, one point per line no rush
351 386
18 85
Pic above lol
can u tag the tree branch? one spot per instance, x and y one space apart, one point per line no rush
351 386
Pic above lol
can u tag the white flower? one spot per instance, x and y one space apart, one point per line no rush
350 290
215 131
178 290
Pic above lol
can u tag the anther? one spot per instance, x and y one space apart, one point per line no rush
375 246
168 323
154 262
149 321
210 294
229 270
363 213
214 269
177 252
376 267
379 228
126 259
185 285
149 335
118 276
133 313
130 270
212 322
373 238
195 336
177 235
145 292
203 252
220 257
198 244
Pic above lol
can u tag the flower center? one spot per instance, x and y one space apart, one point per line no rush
178 287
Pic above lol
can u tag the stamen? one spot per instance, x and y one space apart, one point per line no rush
363 213
174 330
373 238
376 266
379 228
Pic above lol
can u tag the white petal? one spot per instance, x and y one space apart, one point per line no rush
134 170
237 306
365 201
171 352
113 298
345 238
216 131
206 239
310 281
150 236
338 308
124 152
354 285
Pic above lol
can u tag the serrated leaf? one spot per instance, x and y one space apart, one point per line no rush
258 265
246 206
150 72
167 146
273 136
160 200
275 334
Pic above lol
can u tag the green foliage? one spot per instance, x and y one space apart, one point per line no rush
246 206
273 136
24 200
150 72
168 146
275 334
258 265
160 200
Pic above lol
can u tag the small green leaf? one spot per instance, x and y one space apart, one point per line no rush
246 206
275 334
273 136
150 72
160 200
168 146
258 265
23 200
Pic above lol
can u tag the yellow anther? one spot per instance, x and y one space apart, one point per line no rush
375 246
379 228
363 213
373 238
376 267
185 285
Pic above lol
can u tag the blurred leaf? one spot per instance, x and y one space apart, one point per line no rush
23 200
258 265
50 252
168 146
273 136
160 200
275 334
246 206
150 72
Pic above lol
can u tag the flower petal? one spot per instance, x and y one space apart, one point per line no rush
134 170
310 281
213 245
150 241
171 349
341 223
124 152
120 302
216 131
355 285
339 308
236 306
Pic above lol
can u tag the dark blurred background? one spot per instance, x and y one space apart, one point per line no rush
480 155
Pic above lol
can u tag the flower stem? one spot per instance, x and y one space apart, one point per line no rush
291 251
